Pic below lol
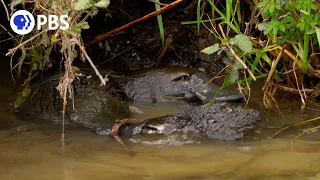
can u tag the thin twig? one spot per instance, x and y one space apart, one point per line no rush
115 133
236 56
255 18
46 9
295 124
8 39
273 68
6 9
103 81
114 57
159 3
5 29
144 18
304 132
217 75
291 89
301 96
22 44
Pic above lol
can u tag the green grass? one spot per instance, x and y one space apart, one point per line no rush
160 23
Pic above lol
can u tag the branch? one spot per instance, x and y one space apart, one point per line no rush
236 56
30 39
6 9
144 18
103 81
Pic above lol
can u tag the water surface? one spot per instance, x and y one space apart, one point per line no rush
33 150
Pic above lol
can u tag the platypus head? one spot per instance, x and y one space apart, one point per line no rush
159 86
174 87
206 90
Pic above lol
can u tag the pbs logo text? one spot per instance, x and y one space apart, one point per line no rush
22 22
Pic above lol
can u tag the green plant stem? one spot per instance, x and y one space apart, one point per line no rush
198 16
306 38
160 23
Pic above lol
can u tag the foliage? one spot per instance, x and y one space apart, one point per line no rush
290 25
36 47
292 21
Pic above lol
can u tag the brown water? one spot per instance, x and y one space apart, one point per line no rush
32 151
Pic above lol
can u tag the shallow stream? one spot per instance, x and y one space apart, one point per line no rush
33 150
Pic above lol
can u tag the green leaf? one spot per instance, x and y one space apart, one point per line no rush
318 35
275 30
54 5
312 30
282 28
305 12
211 49
53 38
271 8
234 76
243 42
83 25
82 5
301 26
102 4
74 31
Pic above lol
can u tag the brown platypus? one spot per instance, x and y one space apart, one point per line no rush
98 107
172 84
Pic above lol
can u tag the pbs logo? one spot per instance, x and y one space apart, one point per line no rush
22 22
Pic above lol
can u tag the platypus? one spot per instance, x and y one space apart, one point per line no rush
98 107
172 84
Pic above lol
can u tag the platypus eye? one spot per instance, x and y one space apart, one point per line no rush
180 77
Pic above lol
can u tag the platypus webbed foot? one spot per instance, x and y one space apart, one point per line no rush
115 133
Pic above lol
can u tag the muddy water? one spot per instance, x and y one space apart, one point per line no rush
33 150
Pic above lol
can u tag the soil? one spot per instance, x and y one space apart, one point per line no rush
141 47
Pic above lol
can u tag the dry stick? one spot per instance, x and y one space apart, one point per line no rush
249 89
144 18
301 96
6 9
30 39
5 29
273 68
103 81
295 124
291 89
236 56
304 132
115 134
